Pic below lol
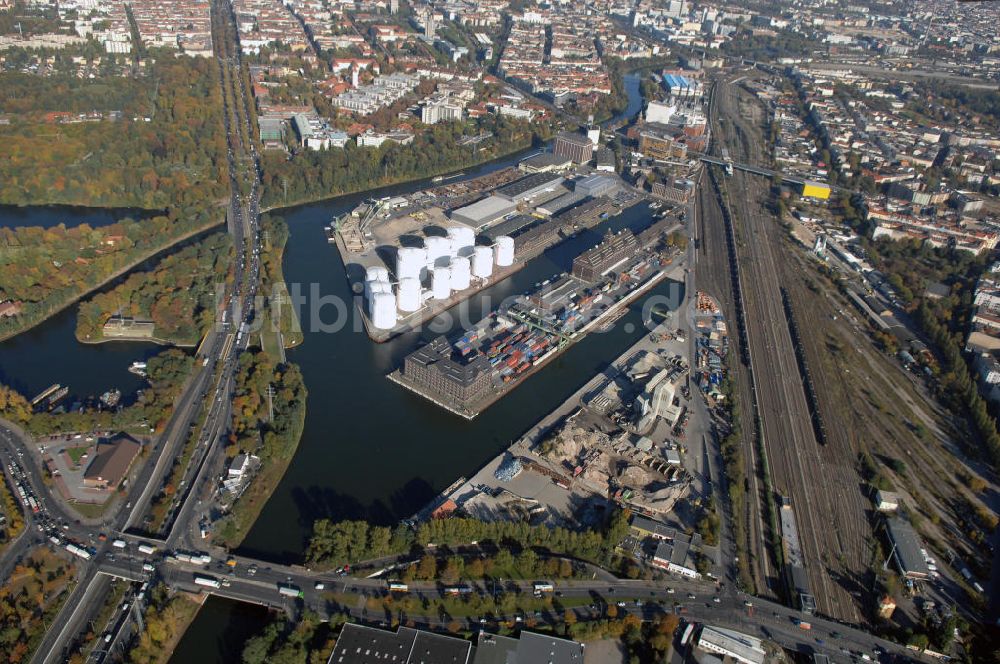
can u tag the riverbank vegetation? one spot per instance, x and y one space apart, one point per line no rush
254 431
179 294
309 641
280 314
167 372
317 174
29 600
153 141
334 544
166 618
46 269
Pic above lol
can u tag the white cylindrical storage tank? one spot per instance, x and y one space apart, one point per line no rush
377 273
461 273
372 287
482 262
437 248
440 282
409 262
408 294
504 251
383 311
462 239
373 274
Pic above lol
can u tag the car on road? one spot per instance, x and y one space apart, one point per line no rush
691 596
320 585
670 591
716 599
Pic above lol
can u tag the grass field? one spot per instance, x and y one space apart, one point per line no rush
76 454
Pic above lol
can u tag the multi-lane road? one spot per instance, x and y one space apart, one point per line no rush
210 387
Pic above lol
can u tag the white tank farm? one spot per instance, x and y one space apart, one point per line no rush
383 311
482 262
438 250
408 297
410 261
504 251
462 239
461 273
441 282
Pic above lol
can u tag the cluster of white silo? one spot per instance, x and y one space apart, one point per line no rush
449 262
381 301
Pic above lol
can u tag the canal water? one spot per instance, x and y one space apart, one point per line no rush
48 216
49 353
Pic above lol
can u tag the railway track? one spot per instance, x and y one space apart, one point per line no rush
792 457
718 249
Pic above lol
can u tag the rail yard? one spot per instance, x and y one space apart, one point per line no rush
823 491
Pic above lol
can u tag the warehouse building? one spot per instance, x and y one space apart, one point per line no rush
906 549
529 648
564 202
510 227
596 185
643 528
435 369
112 459
529 186
544 163
676 555
572 145
818 190
359 644
483 212
741 647
616 247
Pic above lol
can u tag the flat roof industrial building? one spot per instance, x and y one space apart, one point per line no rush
906 549
483 212
528 186
359 644
730 643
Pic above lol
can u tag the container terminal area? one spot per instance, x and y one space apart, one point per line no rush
415 256
471 371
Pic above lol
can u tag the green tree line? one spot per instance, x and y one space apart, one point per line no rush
314 174
338 543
